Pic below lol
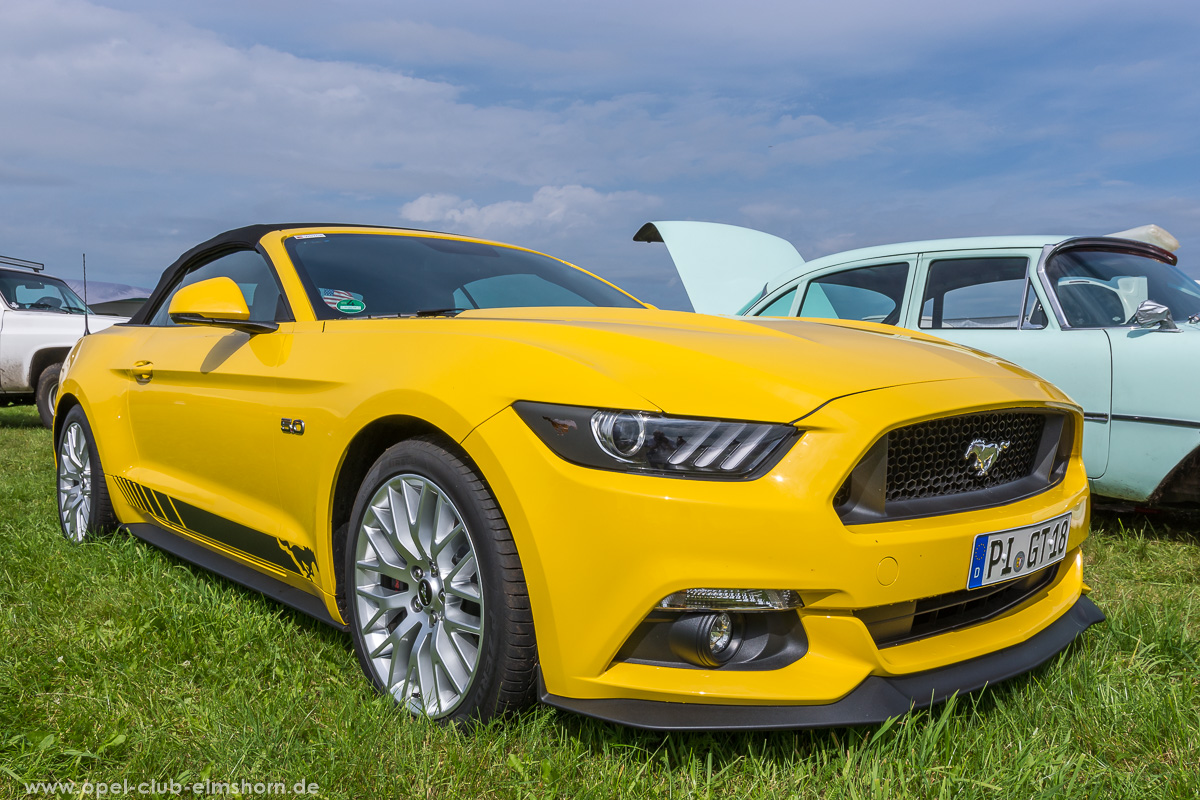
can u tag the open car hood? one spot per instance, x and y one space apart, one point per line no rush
723 267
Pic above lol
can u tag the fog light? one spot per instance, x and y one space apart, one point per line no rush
720 634
706 640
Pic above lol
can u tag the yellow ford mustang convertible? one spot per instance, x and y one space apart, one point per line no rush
508 479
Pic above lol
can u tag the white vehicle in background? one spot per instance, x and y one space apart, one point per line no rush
40 321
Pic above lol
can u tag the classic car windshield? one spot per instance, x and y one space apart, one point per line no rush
31 292
366 275
1102 289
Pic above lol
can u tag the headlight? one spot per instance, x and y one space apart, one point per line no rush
637 441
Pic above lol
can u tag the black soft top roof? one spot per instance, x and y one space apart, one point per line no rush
245 238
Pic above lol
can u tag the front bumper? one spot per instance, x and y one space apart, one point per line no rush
600 549
875 700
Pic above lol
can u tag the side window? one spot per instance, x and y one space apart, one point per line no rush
249 271
974 293
1035 315
781 306
870 294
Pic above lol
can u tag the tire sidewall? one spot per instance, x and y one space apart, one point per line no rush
46 391
421 457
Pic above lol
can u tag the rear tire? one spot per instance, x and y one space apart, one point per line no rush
47 390
84 507
438 608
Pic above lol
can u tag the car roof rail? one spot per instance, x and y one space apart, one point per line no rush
36 266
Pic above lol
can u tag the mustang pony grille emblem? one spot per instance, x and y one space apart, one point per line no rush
985 454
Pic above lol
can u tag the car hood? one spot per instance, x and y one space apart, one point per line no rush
98 322
748 368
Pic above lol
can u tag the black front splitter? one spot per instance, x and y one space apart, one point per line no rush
874 700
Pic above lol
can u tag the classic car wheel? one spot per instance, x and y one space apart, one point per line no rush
438 611
84 508
47 388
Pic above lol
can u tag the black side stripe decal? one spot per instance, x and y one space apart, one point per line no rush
180 515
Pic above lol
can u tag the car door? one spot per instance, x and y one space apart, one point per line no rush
988 301
204 417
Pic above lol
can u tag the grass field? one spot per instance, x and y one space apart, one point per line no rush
119 663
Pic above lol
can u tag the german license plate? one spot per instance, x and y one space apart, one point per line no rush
1010 554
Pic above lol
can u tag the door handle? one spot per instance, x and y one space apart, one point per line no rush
143 371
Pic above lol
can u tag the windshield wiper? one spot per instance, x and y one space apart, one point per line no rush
423 312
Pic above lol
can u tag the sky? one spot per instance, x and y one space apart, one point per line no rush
131 130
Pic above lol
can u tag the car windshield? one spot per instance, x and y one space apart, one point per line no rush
32 292
368 275
1102 288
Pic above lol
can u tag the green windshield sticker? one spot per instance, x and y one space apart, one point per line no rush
351 306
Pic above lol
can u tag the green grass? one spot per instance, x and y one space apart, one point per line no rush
118 662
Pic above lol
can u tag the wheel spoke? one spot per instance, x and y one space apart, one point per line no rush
400 535
436 666
458 579
387 561
383 600
412 678
381 567
466 625
422 501
71 447
455 665
447 527
427 678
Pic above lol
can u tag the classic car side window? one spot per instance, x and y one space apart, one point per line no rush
1035 316
870 294
974 293
249 271
781 306
1102 289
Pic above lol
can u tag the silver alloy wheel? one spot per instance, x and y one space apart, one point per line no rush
74 482
418 595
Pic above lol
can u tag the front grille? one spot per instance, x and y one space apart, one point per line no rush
907 622
933 467
930 459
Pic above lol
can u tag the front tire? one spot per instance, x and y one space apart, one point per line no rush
84 508
438 608
47 390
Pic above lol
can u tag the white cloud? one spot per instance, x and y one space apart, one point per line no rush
108 88
557 208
